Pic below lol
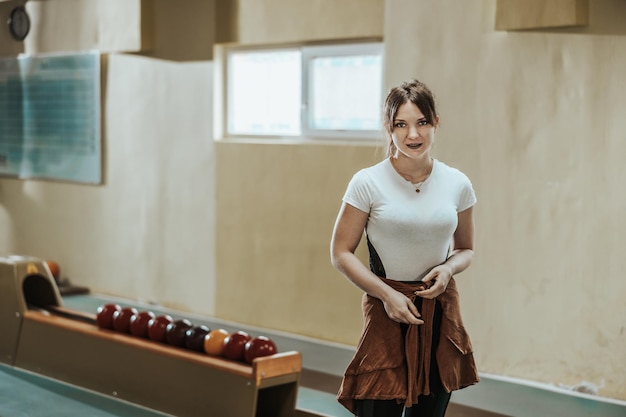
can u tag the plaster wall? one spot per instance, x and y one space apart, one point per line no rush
281 21
536 120
147 232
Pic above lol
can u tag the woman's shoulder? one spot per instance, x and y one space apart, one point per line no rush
451 172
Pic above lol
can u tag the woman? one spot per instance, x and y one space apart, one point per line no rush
417 215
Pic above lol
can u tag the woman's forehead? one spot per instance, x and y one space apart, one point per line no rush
408 110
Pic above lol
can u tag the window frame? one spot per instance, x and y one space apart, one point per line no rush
308 51
349 49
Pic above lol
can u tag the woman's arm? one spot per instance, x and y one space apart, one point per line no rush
347 234
459 260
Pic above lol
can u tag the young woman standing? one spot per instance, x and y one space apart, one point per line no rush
417 214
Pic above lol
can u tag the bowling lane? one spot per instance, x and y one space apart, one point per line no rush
26 394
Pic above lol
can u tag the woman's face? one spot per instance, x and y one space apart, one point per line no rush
411 133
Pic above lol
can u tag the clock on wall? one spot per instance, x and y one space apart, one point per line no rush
19 23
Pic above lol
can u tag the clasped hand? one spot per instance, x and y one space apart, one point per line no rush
438 279
401 309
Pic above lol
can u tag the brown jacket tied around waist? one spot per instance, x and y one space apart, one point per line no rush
386 368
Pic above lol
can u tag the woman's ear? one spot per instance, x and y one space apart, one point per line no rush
436 122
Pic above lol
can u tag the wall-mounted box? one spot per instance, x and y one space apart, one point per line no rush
541 14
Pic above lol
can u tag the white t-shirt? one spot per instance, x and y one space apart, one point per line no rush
411 232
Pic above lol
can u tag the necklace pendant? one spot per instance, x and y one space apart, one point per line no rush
417 190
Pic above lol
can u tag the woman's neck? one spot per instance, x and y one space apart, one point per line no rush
412 169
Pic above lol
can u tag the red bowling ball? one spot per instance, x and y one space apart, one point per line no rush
157 326
139 323
121 319
104 316
235 345
258 347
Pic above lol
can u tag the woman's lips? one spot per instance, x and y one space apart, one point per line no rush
414 145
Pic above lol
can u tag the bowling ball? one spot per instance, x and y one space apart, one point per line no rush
258 347
157 326
104 315
121 319
175 332
194 338
139 323
235 345
214 342
55 269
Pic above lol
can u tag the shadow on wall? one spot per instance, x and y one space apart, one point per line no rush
7 236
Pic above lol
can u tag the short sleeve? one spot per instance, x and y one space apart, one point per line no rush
358 193
467 197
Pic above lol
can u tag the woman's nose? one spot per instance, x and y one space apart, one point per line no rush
413 131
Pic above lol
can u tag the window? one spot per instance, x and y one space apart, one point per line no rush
264 92
308 91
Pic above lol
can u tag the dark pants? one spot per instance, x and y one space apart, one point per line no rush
433 405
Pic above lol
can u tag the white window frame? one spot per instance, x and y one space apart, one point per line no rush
308 53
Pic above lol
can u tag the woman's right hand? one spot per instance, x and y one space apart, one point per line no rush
347 234
400 308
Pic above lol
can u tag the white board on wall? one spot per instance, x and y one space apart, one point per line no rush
50 117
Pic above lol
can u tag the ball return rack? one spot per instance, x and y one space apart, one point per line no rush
42 336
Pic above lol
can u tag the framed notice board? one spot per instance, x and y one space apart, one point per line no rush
50 117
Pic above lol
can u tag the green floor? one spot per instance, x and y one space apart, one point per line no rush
24 394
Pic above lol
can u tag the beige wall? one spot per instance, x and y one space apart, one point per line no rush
276 206
154 28
148 231
70 25
275 21
534 118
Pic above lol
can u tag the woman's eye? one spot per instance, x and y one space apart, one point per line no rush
400 124
422 123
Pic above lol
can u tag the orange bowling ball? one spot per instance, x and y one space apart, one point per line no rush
54 268
214 342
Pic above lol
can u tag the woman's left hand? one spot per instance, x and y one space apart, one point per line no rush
438 277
